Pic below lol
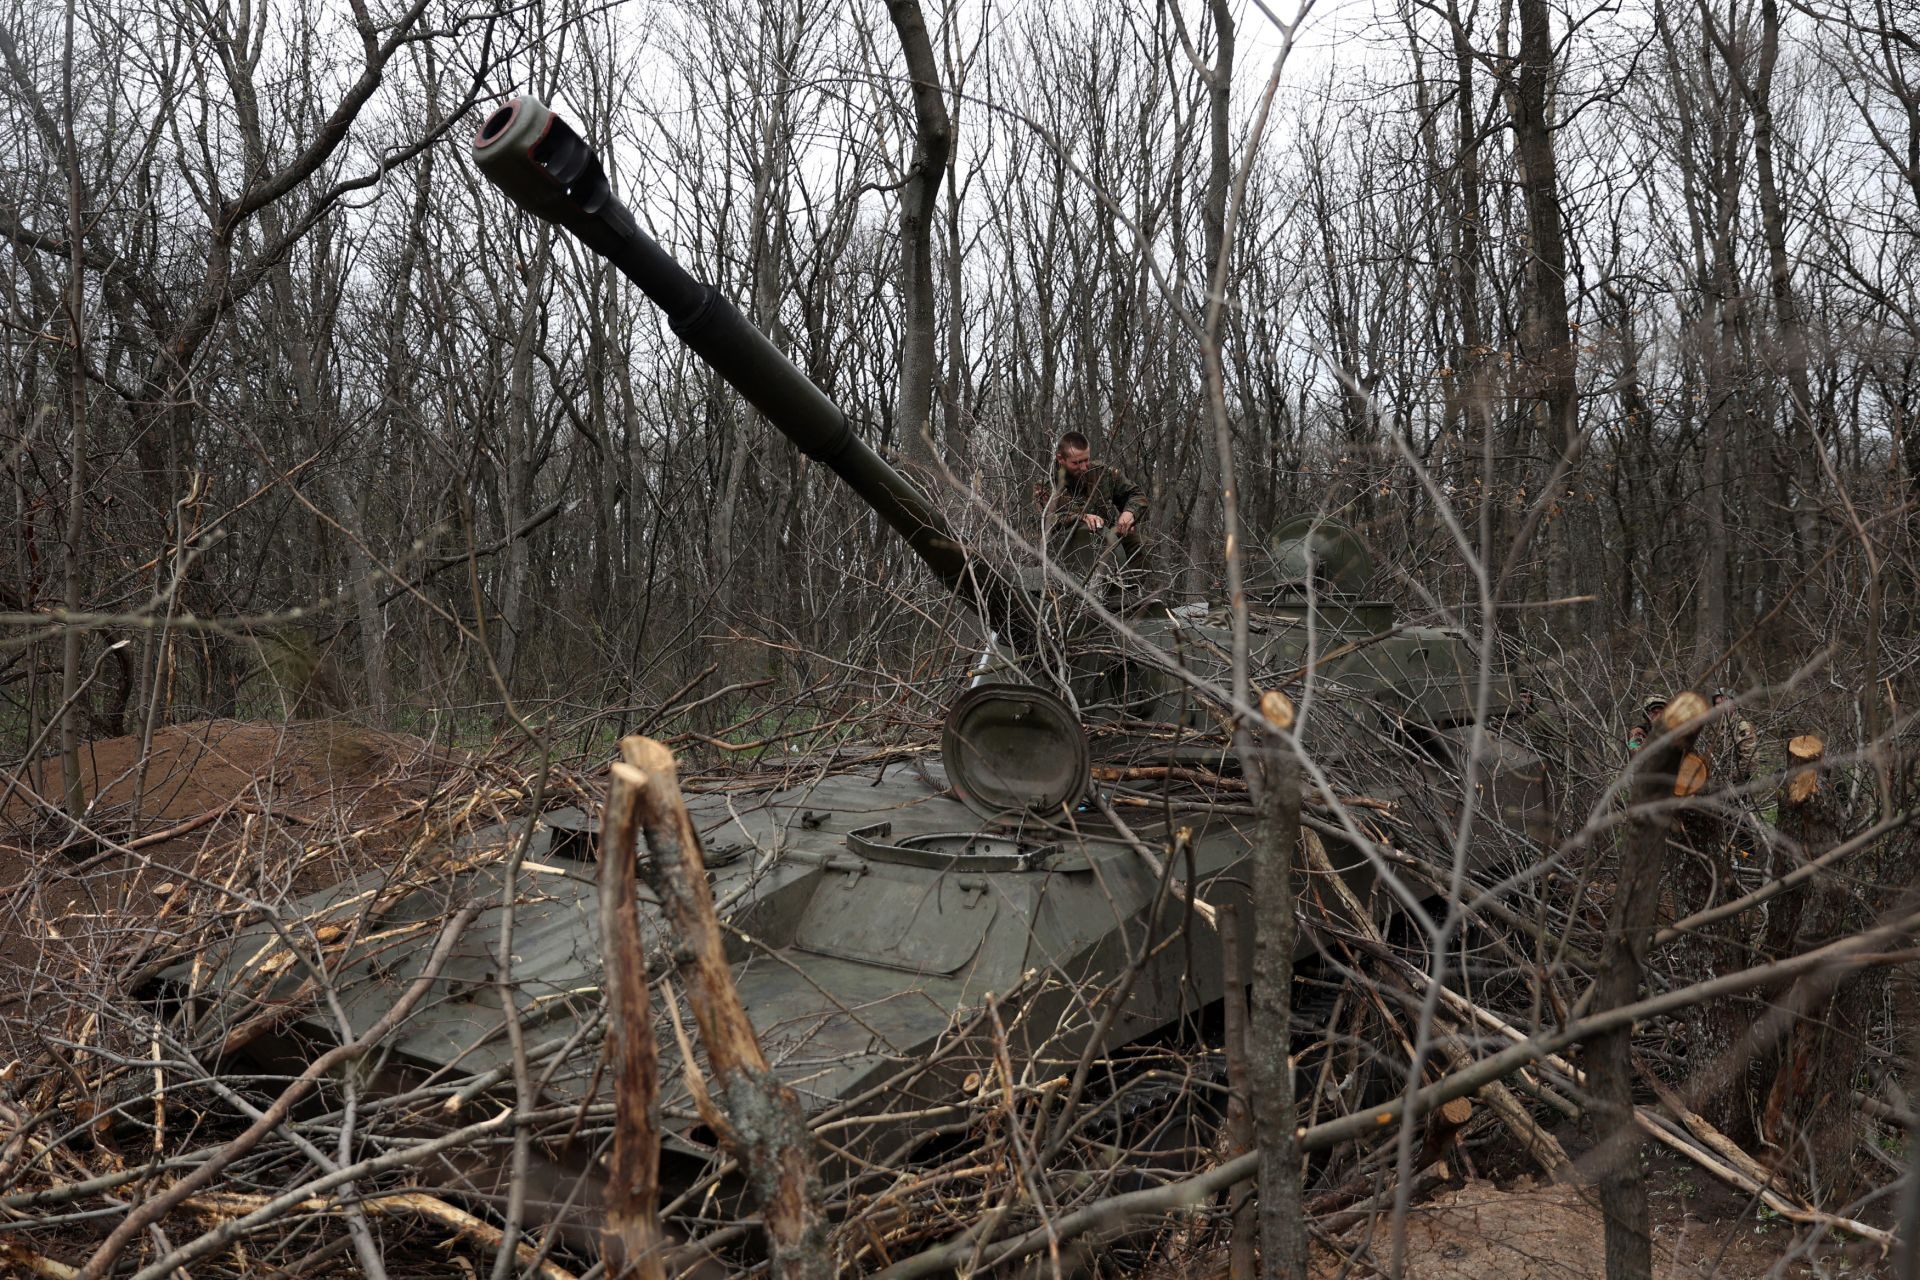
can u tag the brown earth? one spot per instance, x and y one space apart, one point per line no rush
276 808
1483 1232
307 770
1517 1230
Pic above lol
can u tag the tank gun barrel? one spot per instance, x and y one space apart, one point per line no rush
537 159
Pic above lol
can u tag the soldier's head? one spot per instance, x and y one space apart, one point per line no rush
1072 455
1720 696
1651 708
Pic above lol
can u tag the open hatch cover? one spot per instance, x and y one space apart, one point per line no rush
1013 749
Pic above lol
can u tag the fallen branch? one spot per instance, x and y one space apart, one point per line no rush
1799 875
20 1260
631 1236
181 829
1537 1142
1443 1125
1721 1156
418 1153
230 1204
1423 1182
1204 909
151 1211
1207 778
766 1128
1762 1188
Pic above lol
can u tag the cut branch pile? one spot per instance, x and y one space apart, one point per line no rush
1429 1045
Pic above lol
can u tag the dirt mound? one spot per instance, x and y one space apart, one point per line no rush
229 812
304 770
298 772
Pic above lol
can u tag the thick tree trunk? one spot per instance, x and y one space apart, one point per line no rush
1792 339
1472 354
1548 339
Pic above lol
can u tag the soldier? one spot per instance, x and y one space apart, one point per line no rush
1539 723
1092 494
1738 741
1650 710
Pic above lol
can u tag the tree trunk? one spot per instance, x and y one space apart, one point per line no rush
1239 1123
1283 1237
71 548
516 479
1204 523
1809 1108
919 197
1549 348
763 1126
1630 926
632 1233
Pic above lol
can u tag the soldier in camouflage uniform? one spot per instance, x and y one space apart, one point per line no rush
1092 494
1736 742
1644 732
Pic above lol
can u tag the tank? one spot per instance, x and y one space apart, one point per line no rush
887 913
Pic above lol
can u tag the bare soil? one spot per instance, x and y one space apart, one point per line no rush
1483 1232
246 800
1521 1230
309 771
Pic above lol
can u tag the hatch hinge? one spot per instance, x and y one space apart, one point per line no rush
854 867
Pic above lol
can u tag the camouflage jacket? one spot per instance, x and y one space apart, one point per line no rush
1104 491
1736 743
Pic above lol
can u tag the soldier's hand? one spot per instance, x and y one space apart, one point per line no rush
1124 524
1093 521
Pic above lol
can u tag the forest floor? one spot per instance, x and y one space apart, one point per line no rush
223 793
1523 1231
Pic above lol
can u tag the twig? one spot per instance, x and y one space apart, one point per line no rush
228 1204
1172 1196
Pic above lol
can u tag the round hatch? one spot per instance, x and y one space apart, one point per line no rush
1011 749
1309 548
